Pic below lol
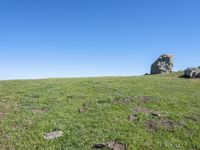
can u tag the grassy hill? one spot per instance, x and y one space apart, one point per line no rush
165 112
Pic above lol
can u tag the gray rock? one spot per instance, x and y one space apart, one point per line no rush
164 64
133 118
192 72
53 135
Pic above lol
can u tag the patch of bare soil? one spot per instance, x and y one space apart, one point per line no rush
112 145
192 118
2 114
145 99
125 100
128 99
147 111
40 111
142 110
155 125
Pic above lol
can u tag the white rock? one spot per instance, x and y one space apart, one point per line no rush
53 135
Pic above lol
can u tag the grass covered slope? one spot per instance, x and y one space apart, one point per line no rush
96 110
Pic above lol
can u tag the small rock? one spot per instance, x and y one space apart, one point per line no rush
53 135
133 118
82 109
192 72
164 64
155 113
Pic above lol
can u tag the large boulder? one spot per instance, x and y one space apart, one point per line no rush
164 64
192 72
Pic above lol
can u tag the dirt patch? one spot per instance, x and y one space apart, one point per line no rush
2 115
124 100
144 99
142 110
147 111
112 145
192 118
155 125
53 135
156 113
39 111
128 99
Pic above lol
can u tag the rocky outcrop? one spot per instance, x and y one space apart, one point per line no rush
192 72
164 64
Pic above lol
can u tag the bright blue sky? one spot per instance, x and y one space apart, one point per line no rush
71 38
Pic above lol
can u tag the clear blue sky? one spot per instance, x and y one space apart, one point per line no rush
72 38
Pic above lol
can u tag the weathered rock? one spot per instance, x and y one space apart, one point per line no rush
164 64
192 72
133 117
53 135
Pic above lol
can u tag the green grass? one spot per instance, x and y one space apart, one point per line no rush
105 118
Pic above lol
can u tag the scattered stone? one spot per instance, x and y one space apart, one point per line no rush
192 72
113 145
156 113
53 135
133 118
155 125
164 64
82 109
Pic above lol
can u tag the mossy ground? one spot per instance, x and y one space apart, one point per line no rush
31 108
